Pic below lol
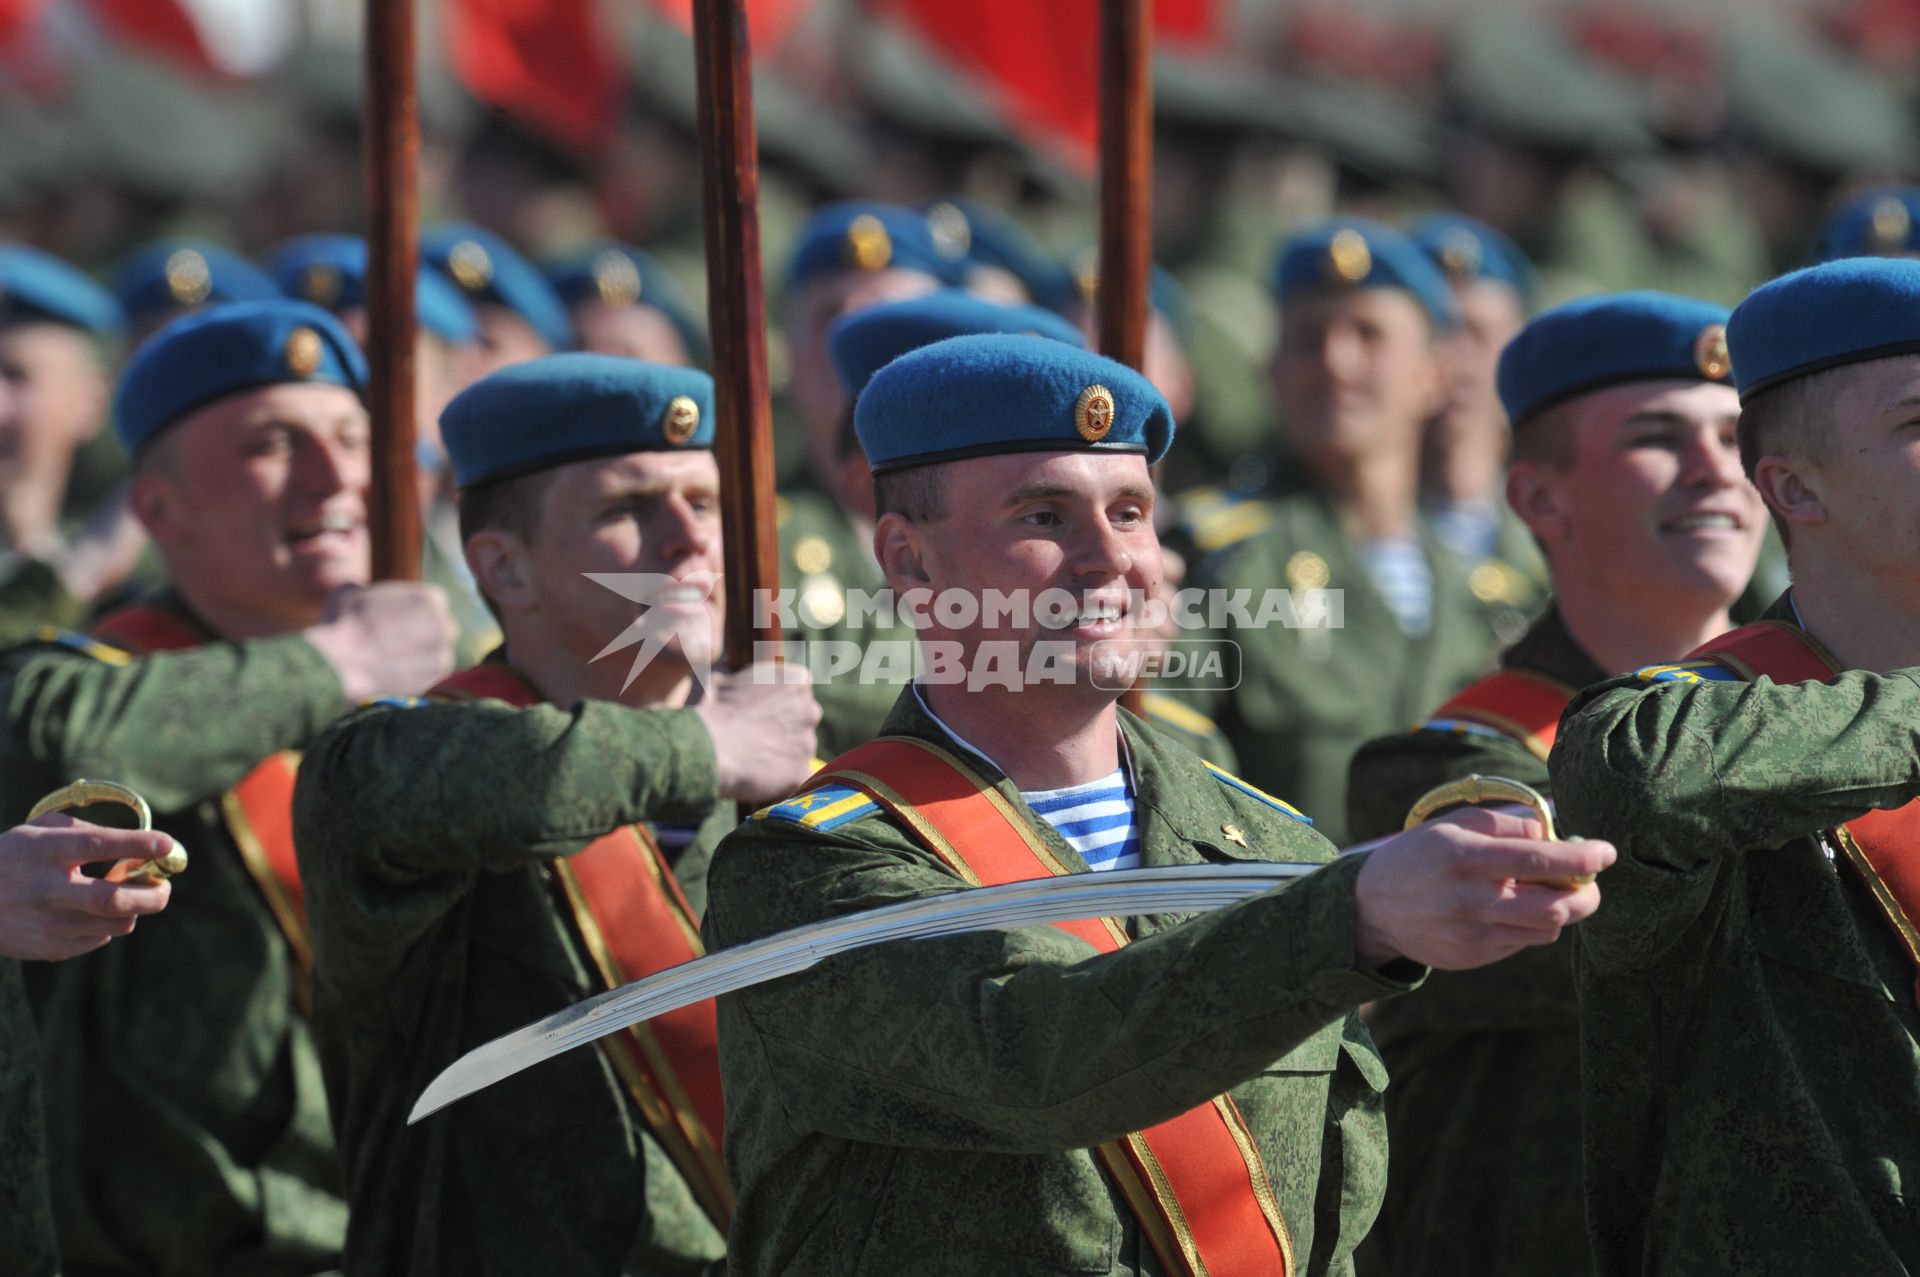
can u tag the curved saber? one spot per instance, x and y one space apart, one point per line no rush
1114 893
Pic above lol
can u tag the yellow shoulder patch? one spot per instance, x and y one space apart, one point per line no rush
822 809
1234 782
83 644
1229 524
1179 714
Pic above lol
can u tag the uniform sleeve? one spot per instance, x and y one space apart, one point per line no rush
1023 1041
472 787
1390 774
179 727
1681 775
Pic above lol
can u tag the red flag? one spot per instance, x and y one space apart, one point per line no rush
16 18
157 26
769 22
546 61
1041 61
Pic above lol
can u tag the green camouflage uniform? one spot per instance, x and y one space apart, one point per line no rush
186 1122
436 929
929 1108
26 1229
1752 1079
1309 697
1484 1113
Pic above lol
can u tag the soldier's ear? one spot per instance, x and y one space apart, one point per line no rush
154 502
900 546
1786 484
1537 493
498 561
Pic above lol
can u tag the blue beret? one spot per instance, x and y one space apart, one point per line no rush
1880 223
868 340
488 270
331 272
1352 252
857 235
987 394
174 274
37 286
225 349
622 276
1612 338
563 408
976 235
1467 249
1843 312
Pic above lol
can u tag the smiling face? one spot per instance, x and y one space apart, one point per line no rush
1645 498
1356 373
1079 523
258 502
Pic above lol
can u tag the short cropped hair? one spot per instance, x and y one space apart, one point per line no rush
915 494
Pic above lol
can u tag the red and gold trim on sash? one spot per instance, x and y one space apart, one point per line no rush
1883 845
1516 703
258 810
632 920
1196 1183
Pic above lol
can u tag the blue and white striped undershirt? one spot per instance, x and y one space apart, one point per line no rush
1096 818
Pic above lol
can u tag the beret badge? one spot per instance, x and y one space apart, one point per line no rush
868 245
1349 260
189 279
616 279
1460 256
303 351
320 284
1891 224
470 265
680 420
1093 413
952 233
1710 352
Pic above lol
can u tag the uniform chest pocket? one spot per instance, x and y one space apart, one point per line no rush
1802 918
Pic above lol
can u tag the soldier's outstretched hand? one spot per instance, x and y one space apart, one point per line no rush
49 909
394 638
762 721
1471 889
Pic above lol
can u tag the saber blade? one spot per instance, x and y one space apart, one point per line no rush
1113 894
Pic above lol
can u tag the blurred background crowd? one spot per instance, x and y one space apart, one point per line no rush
1692 145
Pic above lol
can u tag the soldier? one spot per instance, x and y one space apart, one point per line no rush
158 283
1876 223
50 910
1748 1019
57 332
331 272
963 1105
560 848
624 302
187 1125
1355 379
849 256
1002 262
1463 469
1626 468
520 316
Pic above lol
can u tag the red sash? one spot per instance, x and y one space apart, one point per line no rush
1516 703
1884 846
258 810
1196 1183
632 920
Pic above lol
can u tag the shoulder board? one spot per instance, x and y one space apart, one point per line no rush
1234 782
1460 727
1688 672
825 808
1228 523
395 702
1179 714
84 645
